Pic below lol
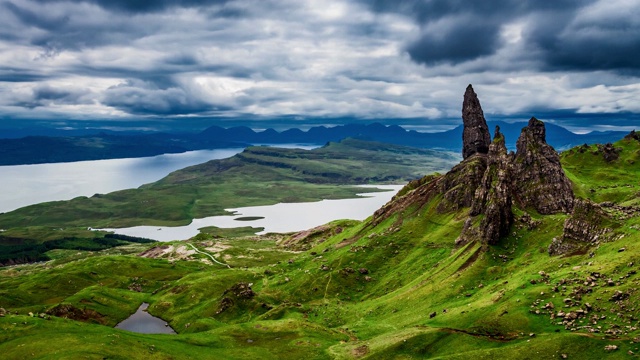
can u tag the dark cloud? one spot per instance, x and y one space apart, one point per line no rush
37 19
584 42
18 75
143 6
456 43
564 34
45 95
144 98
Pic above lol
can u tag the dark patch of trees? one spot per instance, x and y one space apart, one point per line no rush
19 251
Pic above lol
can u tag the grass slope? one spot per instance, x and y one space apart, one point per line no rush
257 176
396 289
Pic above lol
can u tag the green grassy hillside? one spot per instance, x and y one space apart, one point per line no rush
257 176
394 286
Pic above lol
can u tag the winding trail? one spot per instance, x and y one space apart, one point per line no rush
209 255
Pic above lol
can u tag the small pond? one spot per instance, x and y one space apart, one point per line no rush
143 322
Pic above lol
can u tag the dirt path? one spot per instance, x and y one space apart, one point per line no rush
209 255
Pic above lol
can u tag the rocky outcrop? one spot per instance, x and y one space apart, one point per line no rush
459 185
69 311
238 293
538 179
457 189
492 198
489 181
609 152
633 135
585 227
475 136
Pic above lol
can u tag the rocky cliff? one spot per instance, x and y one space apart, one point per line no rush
539 181
491 216
490 182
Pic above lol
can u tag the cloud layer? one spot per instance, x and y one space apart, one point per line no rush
399 59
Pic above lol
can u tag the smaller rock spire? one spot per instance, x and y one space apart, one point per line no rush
475 136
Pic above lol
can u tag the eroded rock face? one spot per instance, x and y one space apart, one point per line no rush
585 227
475 136
492 198
538 179
459 185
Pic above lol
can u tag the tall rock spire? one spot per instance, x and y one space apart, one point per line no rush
475 137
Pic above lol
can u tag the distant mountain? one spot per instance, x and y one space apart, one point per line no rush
47 149
113 145
557 136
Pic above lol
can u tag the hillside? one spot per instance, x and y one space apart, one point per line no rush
525 255
257 176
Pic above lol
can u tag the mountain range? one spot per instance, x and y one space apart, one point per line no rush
112 145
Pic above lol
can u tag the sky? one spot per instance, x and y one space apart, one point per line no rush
572 62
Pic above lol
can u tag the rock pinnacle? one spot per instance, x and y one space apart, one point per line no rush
475 137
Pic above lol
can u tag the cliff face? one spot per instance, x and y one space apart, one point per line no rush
539 181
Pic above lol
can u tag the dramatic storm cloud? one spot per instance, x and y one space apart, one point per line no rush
575 61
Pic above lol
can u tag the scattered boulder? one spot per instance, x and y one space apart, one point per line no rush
611 348
363 271
3 312
619 295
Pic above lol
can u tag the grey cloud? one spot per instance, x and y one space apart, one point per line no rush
17 75
32 18
45 95
559 32
333 58
143 6
465 40
590 44
143 98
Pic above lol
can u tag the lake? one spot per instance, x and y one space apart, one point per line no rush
280 218
24 185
